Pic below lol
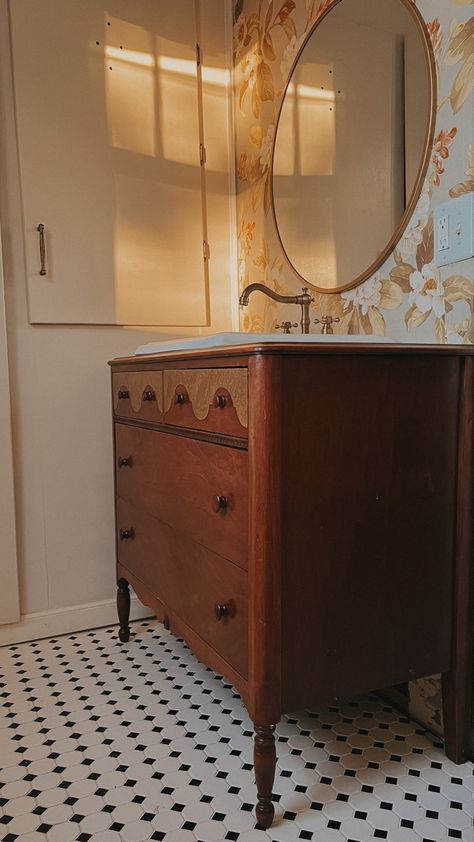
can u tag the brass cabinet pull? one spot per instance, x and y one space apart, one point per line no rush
127 534
42 248
221 610
125 462
220 401
149 395
181 398
123 394
220 503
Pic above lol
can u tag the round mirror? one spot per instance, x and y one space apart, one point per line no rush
353 140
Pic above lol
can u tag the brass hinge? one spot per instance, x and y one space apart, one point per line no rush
206 251
202 154
198 54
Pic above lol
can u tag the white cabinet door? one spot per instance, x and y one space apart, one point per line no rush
108 135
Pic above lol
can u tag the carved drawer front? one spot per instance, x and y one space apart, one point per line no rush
207 399
196 487
138 394
206 591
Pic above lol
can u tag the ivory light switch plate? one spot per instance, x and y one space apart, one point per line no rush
454 230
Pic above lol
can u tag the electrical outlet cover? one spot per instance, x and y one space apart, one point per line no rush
459 236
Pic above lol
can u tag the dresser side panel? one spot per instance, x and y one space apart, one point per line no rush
369 500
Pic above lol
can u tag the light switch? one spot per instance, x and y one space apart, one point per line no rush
454 230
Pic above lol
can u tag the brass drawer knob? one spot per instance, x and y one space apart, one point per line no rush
219 503
149 395
125 462
127 534
220 401
123 394
181 398
221 610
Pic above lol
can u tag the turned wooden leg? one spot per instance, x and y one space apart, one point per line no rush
123 609
264 758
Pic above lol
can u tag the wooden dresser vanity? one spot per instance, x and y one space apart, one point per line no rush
301 515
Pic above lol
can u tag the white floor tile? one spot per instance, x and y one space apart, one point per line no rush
112 758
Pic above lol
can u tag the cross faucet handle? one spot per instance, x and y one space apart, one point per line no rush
285 326
327 323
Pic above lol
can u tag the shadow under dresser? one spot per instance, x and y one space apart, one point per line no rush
302 517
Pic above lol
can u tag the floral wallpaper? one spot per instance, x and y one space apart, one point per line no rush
409 299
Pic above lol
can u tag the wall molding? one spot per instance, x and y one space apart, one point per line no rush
74 618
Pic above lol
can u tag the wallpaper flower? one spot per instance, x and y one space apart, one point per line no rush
409 299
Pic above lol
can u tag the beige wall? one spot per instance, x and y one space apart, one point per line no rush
60 380
9 595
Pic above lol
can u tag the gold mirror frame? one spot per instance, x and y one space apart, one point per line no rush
425 158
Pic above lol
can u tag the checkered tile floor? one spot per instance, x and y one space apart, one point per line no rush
107 741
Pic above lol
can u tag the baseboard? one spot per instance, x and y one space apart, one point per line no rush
75 618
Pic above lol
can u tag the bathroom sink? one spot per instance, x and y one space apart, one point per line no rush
223 340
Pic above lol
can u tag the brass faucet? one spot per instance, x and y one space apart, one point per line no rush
304 300
327 323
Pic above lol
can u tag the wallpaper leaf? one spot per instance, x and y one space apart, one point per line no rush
440 331
377 322
414 318
289 27
425 251
265 86
391 295
268 16
458 288
400 274
258 192
462 85
267 48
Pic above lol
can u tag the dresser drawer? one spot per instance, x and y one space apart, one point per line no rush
196 487
207 399
138 394
191 581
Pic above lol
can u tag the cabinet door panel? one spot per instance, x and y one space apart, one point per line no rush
108 134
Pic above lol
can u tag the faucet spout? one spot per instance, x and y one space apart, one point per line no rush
304 299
